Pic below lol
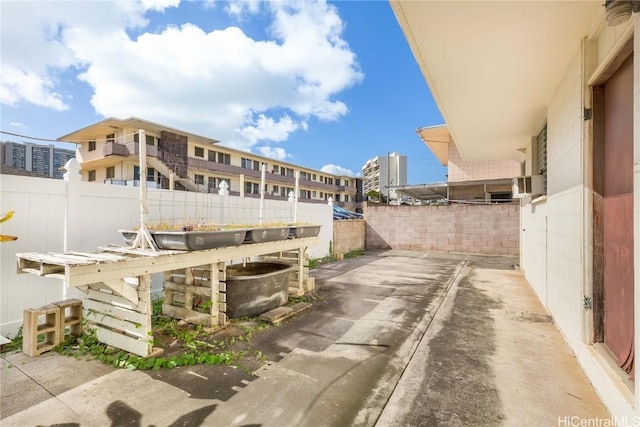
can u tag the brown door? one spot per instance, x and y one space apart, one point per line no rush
618 214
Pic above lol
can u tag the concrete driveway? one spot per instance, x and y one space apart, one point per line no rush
397 338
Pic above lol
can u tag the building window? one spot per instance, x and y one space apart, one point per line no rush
223 158
276 189
276 169
346 197
111 172
92 146
246 163
198 179
199 152
92 175
336 198
211 156
541 156
111 138
314 194
289 172
283 192
256 165
303 175
151 140
252 188
313 177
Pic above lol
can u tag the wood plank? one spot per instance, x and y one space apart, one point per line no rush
187 315
138 252
120 287
119 312
98 256
132 329
196 290
124 342
97 295
80 275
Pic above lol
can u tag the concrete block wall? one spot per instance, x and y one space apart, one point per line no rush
348 235
475 229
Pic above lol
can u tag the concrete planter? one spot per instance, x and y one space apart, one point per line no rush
198 240
191 240
194 240
298 231
256 288
267 234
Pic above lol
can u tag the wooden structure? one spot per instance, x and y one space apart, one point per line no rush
117 281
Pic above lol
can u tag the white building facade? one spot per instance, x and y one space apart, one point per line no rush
568 109
382 172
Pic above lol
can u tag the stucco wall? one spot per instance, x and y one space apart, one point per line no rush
556 230
459 170
348 235
475 229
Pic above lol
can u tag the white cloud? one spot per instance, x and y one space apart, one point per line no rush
221 84
266 128
19 86
159 5
338 170
275 153
18 125
238 8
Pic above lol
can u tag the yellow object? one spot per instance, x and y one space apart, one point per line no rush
4 218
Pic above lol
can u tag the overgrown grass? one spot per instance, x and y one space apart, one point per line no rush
316 262
15 344
197 345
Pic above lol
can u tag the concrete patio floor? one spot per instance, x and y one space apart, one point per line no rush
397 338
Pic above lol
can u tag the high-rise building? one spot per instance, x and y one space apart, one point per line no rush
44 160
382 173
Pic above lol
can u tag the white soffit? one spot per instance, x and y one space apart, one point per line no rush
437 138
493 67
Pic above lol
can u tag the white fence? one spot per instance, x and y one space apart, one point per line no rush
95 212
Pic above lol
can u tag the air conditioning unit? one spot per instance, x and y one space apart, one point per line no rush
528 186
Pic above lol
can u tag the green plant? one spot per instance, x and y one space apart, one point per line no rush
198 349
331 249
354 253
15 344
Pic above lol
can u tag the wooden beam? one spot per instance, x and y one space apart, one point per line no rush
120 287
84 274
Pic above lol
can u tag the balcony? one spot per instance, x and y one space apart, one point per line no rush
112 148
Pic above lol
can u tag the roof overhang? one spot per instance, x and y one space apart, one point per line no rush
107 126
437 138
493 66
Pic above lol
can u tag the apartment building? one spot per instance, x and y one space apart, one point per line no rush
384 172
43 160
108 152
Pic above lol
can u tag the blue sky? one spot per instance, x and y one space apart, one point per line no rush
327 85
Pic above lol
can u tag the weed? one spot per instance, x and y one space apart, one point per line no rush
15 344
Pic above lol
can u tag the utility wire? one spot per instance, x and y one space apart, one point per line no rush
77 141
